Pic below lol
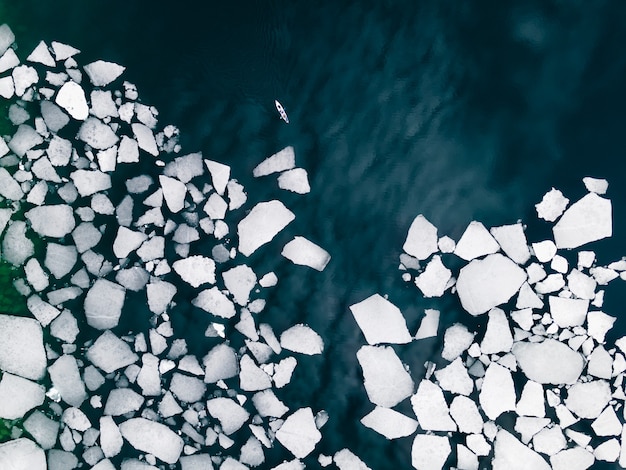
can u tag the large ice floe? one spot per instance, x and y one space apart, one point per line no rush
533 383
100 211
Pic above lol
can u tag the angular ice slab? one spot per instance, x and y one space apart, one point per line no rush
552 205
109 353
549 362
306 253
102 73
97 134
22 454
52 221
153 438
9 188
302 339
475 242
511 454
71 97
228 412
431 409
389 423
430 452
195 270
174 192
488 282
587 220
299 433
295 180
280 161
421 241
103 304
262 224
386 380
18 396
434 280
380 321
21 347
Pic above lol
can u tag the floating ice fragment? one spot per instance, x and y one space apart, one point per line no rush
430 452
21 347
220 363
598 324
389 423
174 192
127 241
229 413
18 396
109 353
306 253
302 339
102 73
380 321
431 409
251 377
35 275
71 97
196 270
466 415
103 304
434 280
52 221
145 138
511 454
153 438
596 185
6 38
187 389
475 242
122 401
552 205
581 285
280 161
456 339
454 378
8 60
497 394
587 400
575 458
299 433
215 302
16 247
67 380
6 87
43 429
486 283
386 380
587 220
498 336
267 404
23 77
262 224
41 55
421 240
545 250
607 424
283 371
531 402
240 281
9 188
295 180
24 139
110 437
63 51
97 134
549 362
429 324
22 453
215 207
346 460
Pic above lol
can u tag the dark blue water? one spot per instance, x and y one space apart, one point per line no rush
457 110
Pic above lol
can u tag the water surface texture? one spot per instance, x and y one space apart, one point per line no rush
460 111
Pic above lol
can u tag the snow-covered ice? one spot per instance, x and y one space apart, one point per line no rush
421 240
488 282
215 302
588 399
587 220
306 253
302 339
431 409
52 221
195 270
101 73
568 312
103 304
454 378
380 321
295 180
278 162
262 224
552 205
596 185
228 412
109 353
21 347
549 362
71 97
97 134
299 433
22 453
389 423
434 280
153 438
386 380
430 452
511 454
475 242
497 394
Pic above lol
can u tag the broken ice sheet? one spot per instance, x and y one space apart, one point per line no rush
306 253
380 321
301 338
389 423
386 380
299 433
587 220
262 224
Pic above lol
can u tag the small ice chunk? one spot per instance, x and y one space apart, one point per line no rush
41 55
552 205
511 454
110 437
430 452
195 270
240 281
60 259
475 242
103 304
89 182
145 138
466 415
8 60
102 73
24 139
220 363
187 389
575 458
380 321
63 51
608 451
153 438
454 378
486 283
174 192
429 325
109 353
587 220
251 377
220 174
21 347
23 77
446 244
52 221
43 429
497 394
306 253
431 408
185 168
9 188
596 185
345 460
97 134
16 247
421 240
149 377
386 380
295 180
67 380
598 324
607 424
127 241
54 118
65 327
498 336
6 39
262 224
6 87
280 161
298 433
549 362
283 371
587 400
71 97
302 339
581 285
568 312
122 401
35 275
18 396
456 339
22 453
228 412
215 302
545 250
434 280
532 401
215 207
160 294
267 404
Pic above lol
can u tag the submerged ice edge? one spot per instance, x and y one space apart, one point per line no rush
534 385
71 130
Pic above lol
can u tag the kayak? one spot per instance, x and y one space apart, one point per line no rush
281 111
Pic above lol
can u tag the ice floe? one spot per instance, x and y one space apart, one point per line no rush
380 321
306 253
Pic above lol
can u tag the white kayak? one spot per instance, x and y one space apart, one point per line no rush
281 111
